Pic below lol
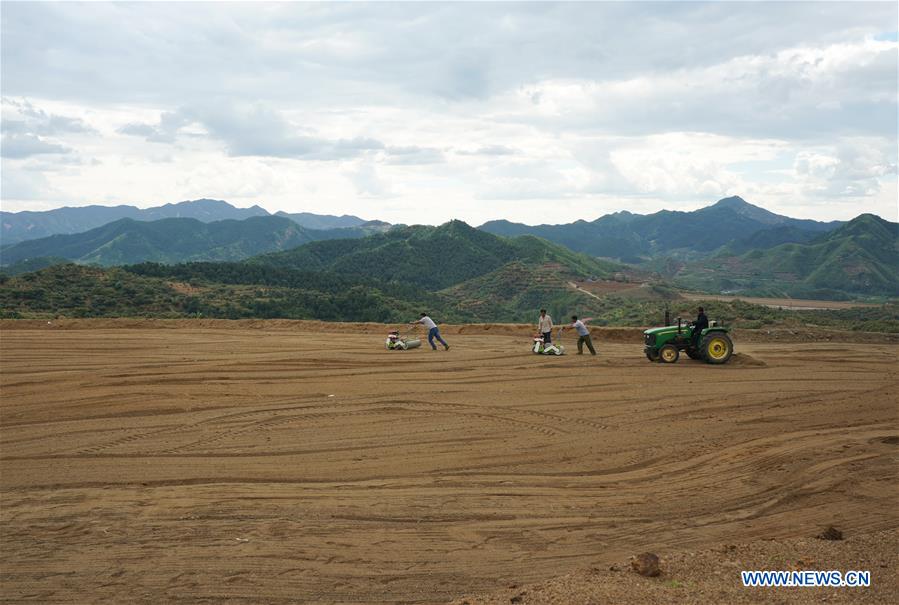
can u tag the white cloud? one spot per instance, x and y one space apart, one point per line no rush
487 150
27 145
413 155
27 185
21 117
691 165
797 92
855 168
368 182
432 111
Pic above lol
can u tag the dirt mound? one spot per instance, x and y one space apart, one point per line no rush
746 360
296 325
712 575
304 325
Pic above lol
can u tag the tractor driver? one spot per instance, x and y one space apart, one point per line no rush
701 323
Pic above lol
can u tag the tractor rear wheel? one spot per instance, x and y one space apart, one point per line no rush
717 347
668 354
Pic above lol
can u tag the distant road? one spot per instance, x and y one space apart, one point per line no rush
797 304
599 288
579 289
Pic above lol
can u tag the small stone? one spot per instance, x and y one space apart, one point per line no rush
646 564
831 533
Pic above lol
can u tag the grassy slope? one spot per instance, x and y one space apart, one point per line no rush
515 292
79 291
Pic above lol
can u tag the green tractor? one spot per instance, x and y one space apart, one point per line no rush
665 344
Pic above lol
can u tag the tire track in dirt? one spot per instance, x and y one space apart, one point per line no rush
266 470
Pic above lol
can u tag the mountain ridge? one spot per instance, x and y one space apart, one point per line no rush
432 257
859 257
172 240
384 277
27 225
635 238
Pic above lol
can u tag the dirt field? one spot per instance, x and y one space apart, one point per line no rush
796 304
290 462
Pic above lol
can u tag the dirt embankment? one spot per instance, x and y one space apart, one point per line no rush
623 334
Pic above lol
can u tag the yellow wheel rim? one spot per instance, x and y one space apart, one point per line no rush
718 348
668 355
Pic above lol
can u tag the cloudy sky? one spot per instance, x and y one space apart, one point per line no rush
418 113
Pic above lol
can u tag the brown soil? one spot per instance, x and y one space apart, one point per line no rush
622 335
283 462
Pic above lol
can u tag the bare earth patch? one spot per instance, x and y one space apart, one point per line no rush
797 304
184 288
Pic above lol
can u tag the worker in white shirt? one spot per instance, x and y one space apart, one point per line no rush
583 335
433 331
545 327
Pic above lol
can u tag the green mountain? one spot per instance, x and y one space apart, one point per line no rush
861 257
636 238
770 237
455 271
28 225
323 221
168 240
21 226
173 240
432 257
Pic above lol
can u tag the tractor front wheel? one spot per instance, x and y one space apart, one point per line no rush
717 347
668 354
